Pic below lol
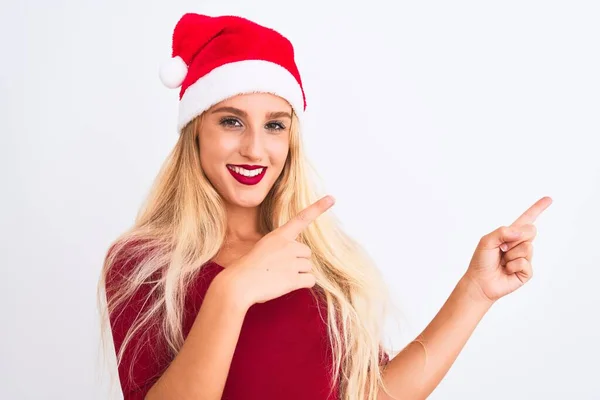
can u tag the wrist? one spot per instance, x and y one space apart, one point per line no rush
469 287
225 288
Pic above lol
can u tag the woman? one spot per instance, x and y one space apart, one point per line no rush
235 282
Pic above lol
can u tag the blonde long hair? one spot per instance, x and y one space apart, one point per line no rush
182 226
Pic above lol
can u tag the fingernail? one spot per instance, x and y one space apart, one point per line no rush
503 246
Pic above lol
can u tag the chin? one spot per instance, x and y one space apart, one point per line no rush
247 200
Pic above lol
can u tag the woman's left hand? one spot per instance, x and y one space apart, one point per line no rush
502 260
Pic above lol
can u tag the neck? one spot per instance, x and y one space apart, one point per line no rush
241 235
242 224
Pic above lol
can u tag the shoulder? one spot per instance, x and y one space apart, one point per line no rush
129 283
122 260
140 349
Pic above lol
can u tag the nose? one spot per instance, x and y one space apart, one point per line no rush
252 146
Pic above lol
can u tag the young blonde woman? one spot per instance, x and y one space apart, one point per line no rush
235 283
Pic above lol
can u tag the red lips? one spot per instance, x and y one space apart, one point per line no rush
247 180
248 167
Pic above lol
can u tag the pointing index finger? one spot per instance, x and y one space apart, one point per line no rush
298 223
529 216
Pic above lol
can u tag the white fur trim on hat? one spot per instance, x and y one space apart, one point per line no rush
228 80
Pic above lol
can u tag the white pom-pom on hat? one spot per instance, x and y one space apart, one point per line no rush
172 72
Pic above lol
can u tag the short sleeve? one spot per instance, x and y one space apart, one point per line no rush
143 362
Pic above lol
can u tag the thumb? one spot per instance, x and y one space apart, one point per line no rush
504 234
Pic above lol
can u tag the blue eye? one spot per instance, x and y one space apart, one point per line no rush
229 122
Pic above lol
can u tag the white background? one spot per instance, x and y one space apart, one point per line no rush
432 123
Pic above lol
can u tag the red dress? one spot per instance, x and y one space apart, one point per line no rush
283 349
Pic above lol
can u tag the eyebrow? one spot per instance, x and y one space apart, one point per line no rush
244 114
279 114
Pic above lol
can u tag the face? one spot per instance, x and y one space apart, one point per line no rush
244 143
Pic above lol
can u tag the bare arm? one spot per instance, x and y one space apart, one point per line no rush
500 265
200 369
417 370
276 265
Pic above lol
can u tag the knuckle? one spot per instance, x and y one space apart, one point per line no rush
516 265
306 249
534 230
523 263
528 270
490 237
304 264
300 249
484 239
509 266
303 216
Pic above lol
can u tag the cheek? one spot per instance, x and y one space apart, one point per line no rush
278 151
215 149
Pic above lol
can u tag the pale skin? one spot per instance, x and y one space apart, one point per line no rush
248 129
500 265
254 129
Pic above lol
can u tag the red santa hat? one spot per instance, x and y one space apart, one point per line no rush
214 58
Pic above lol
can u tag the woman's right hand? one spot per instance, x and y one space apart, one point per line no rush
277 264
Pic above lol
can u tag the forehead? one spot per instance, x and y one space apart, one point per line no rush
256 103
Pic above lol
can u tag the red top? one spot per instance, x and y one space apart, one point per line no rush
283 350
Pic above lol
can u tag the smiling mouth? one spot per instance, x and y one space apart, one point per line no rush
246 170
247 175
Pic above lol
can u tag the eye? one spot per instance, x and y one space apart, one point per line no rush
275 126
229 122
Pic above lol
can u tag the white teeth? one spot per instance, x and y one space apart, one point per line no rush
246 172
